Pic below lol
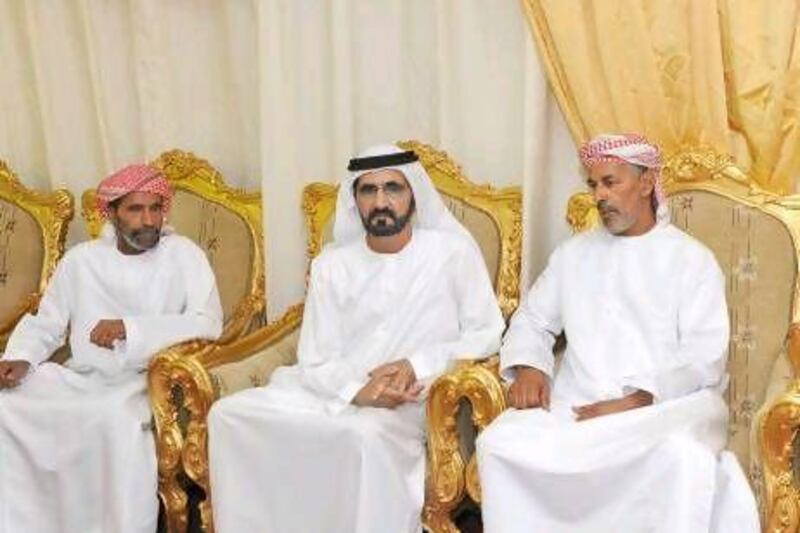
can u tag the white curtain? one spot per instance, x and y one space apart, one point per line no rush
278 93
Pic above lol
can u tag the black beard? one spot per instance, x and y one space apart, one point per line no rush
385 230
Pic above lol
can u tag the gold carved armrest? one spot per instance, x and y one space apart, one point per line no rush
450 475
778 432
184 384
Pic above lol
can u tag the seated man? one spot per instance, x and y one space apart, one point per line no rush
336 443
632 436
76 451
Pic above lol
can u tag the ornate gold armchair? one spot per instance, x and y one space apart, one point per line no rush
33 228
755 237
224 222
493 216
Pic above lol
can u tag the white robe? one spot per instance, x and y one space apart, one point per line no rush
76 451
297 456
644 312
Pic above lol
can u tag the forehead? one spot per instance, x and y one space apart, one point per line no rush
382 176
609 169
141 198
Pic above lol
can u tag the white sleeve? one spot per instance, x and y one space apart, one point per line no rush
480 321
200 319
38 335
535 325
703 332
319 353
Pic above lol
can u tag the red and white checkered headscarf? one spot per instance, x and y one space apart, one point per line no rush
133 178
627 148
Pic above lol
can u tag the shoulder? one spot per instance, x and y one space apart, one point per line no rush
81 252
334 258
692 253
182 248
577 245
689 246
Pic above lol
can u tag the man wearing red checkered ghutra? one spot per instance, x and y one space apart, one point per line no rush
628 433
76 451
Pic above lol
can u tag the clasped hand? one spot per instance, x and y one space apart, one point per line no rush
105 332
389 385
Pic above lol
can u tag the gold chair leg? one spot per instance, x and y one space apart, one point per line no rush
778 431
169 443
449 477
198 397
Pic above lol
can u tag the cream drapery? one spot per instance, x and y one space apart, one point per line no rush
278 93
722 74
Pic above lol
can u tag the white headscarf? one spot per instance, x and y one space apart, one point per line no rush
431 212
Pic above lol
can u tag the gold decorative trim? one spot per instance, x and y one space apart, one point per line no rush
52 213
450 476
168 375
503 206
185 171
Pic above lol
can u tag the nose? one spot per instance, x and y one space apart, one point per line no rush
600 193
148 218
381 200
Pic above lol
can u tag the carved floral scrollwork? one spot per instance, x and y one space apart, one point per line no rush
778 431
448 476
165 375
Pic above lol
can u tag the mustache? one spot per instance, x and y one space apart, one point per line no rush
604 207
146 231
381 212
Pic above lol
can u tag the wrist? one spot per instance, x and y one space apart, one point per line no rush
641 398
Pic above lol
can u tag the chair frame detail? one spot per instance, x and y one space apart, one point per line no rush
52 212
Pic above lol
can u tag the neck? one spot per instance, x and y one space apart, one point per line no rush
391 244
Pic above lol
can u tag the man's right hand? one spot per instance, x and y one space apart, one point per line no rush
12 372
531 388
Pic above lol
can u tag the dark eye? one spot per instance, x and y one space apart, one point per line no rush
367 189
394 187
592 185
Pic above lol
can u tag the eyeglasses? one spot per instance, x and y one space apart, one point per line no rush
392 189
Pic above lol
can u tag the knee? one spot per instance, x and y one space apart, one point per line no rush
489 439
684 448
221 412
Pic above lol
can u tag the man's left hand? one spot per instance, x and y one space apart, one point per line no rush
638 399
400 373
106 332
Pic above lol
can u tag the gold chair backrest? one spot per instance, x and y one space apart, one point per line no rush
225 222
33 228
754 236
493 216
